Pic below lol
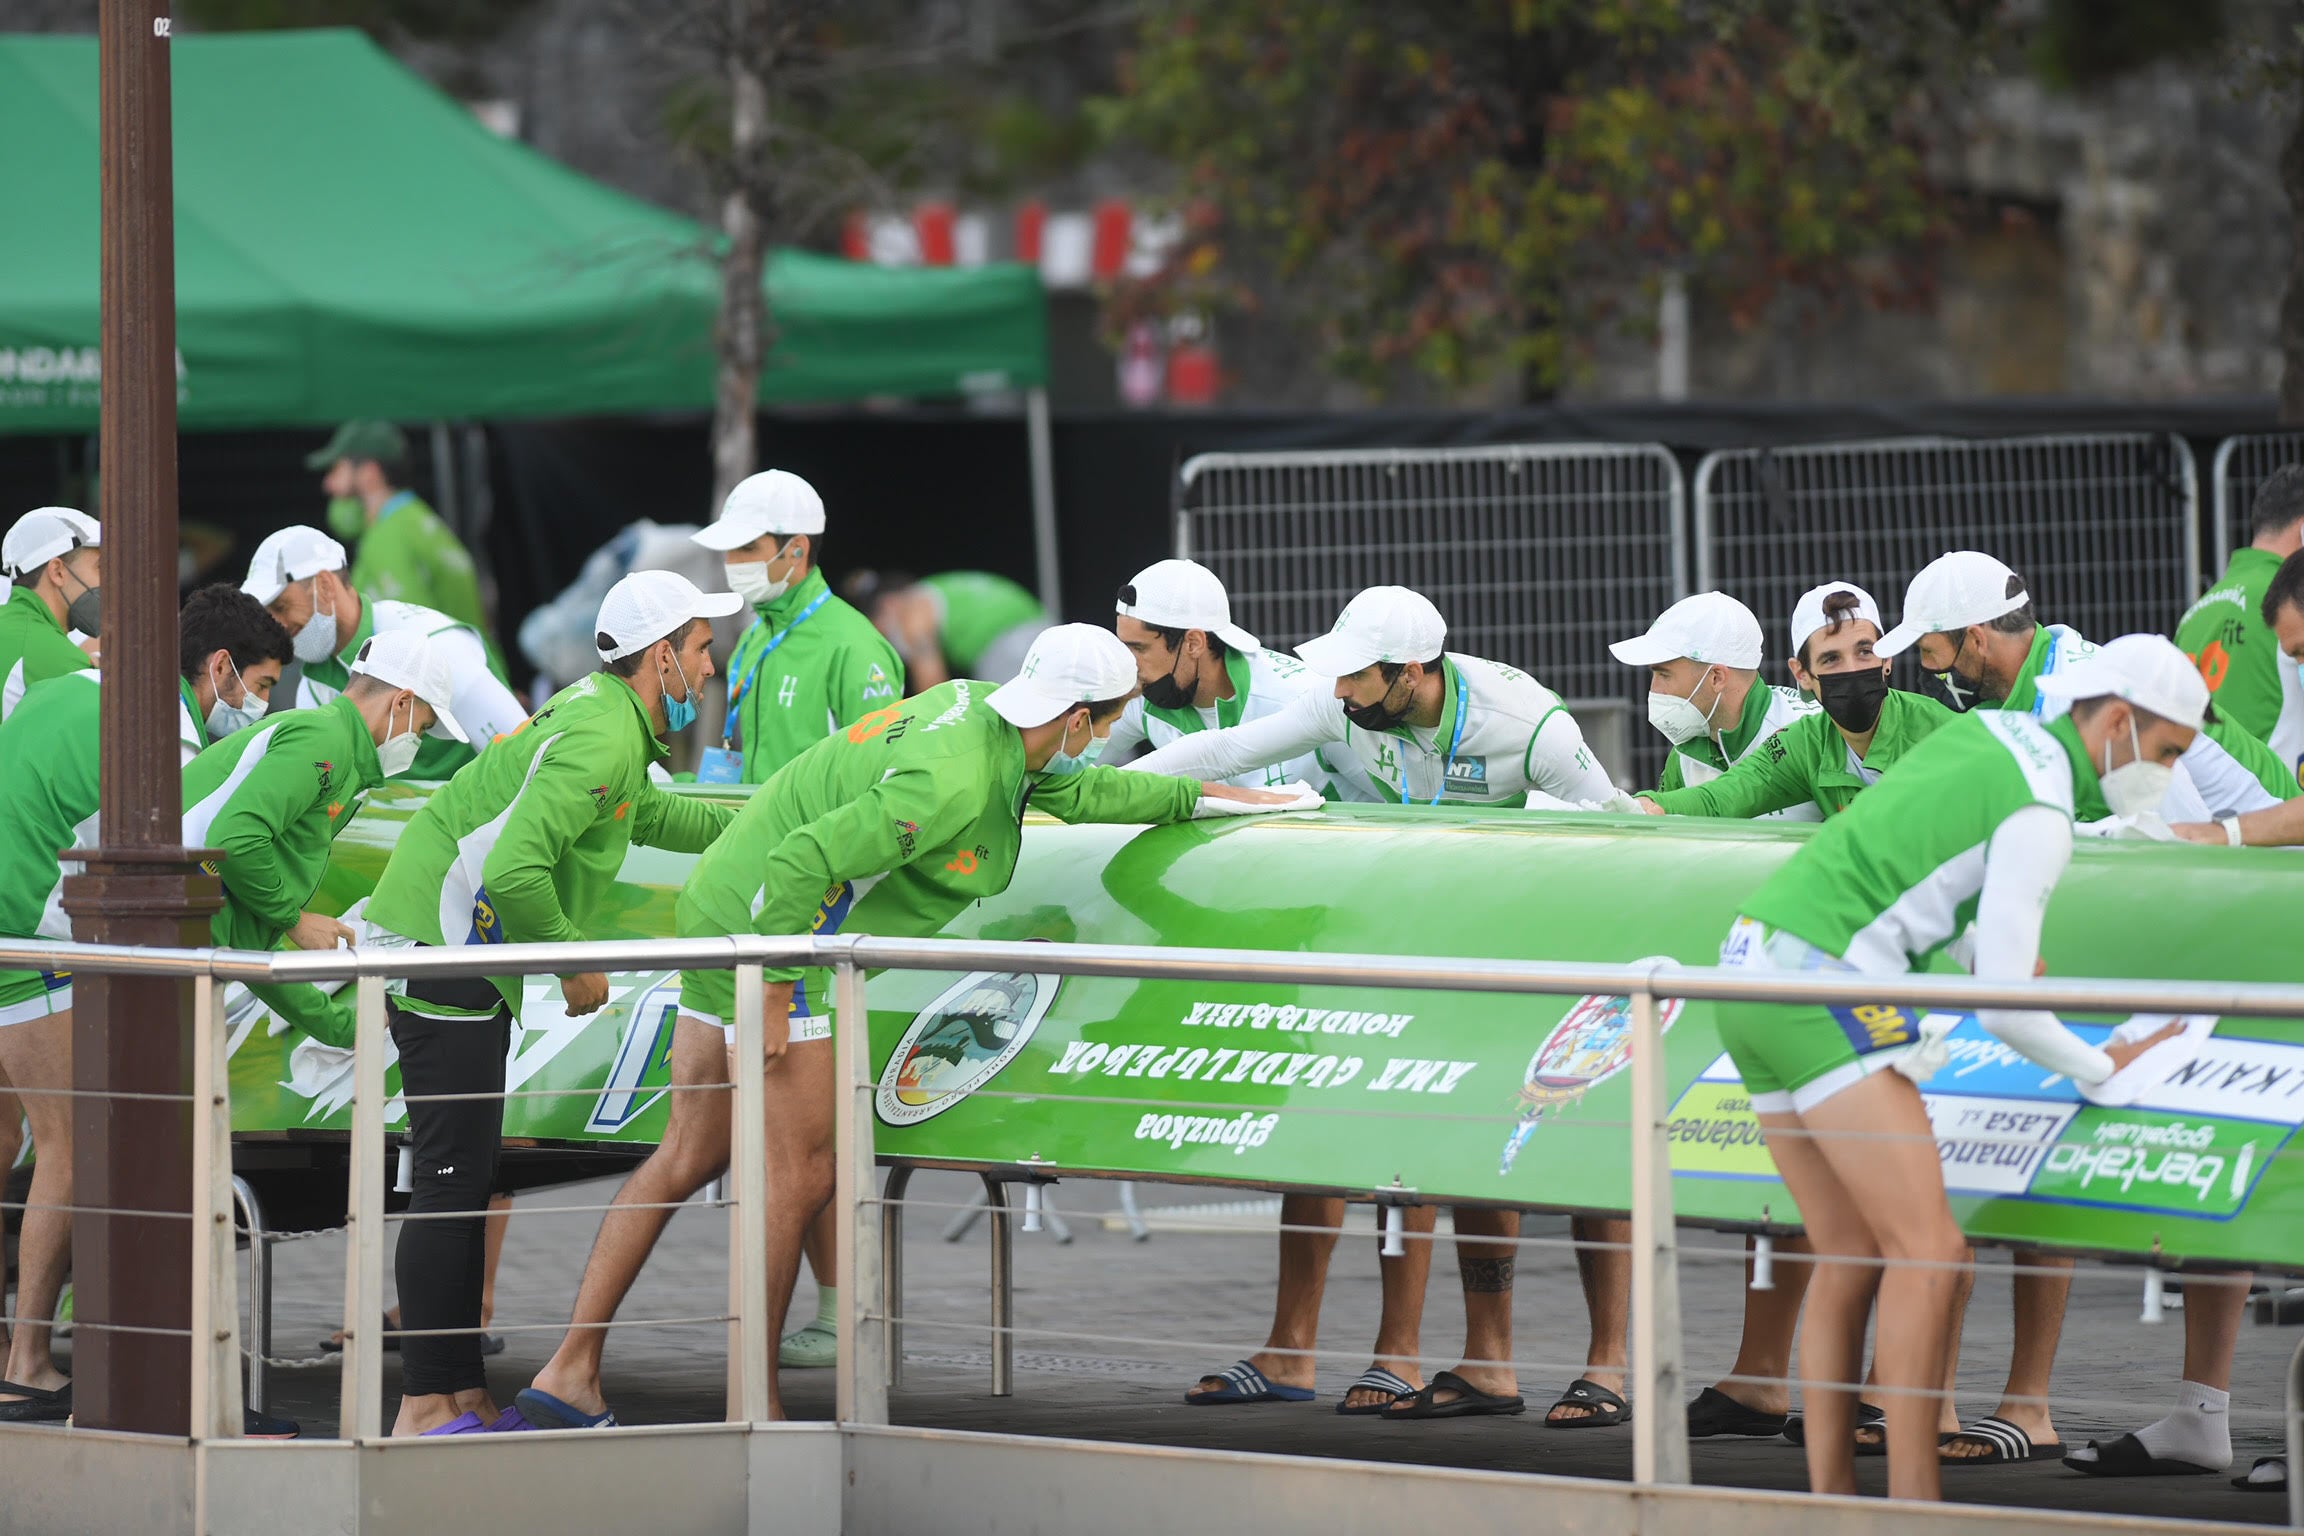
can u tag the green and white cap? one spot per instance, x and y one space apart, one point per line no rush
1382 624
1184 594
406 658
1952 592
1710 627
774 501
1808 615
43 533
648 606
2146 670
293 554
1068 666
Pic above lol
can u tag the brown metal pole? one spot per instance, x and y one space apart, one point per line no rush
133 1035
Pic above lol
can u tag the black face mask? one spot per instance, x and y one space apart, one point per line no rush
85 613
1166 692
1853 699
1380 716
1960 690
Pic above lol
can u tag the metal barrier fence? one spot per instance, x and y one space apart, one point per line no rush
2241 465
870 1308
2104 528
1538 555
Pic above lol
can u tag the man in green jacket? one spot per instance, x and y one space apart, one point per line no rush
49 767
1704 691
2225 633
298 573
1824 759
52 558
891 827
521 847
809 664
953 624
406 552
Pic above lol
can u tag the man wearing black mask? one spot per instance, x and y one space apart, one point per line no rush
1826 759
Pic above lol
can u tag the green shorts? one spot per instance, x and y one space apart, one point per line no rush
710 996
1793 1057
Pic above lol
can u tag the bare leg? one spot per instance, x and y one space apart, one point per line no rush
1606 1276
1877 1145
822 1248
492 1244
11 1147
1399 1334
800 1174
2039 1323
38 1054
1285 1358
1764 1351
1486 1269
2212 1316
694 1150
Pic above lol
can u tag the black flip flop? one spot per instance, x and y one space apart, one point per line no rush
35 1406
2004 1444
2127 1457
2259 1478
1470 1401
1716 1413
1868 1416
1608 1409
391 1339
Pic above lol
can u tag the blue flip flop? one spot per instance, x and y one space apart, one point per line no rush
1243 1383
541 1410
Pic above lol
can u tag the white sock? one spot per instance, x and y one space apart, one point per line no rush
2199 1431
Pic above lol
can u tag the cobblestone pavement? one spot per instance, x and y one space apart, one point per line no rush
1112 1331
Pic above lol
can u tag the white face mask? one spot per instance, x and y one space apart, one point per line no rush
2135 786
397 754
1678 720
224 719
316 641
748 579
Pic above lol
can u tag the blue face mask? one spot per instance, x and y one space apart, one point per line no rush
1066 762
679 714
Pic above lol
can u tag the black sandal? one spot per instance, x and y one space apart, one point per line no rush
1868 1416
2127 1457
1716 1413
1608 1409
1470 1401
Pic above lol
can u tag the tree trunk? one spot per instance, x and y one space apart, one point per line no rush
2292 301
742 334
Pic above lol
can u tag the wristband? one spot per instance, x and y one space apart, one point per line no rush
2231 826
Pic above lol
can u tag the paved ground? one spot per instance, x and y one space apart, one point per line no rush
1186 1302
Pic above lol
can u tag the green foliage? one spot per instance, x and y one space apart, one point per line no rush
1476 185
445 21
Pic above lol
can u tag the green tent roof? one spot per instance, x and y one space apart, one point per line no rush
349 242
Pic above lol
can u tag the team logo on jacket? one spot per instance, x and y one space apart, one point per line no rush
1591 1043
960 1042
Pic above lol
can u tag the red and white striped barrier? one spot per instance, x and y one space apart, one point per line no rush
1072 249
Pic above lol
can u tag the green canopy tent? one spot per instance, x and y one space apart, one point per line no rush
350 242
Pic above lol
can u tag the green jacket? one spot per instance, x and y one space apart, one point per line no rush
892 827
438 758
1808 760
271 799
48 788
2225 635
979 608
2053 643
1768 708
808 665
33 647
526 840
408 554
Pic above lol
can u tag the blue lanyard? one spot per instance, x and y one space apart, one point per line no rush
1456 740
743 685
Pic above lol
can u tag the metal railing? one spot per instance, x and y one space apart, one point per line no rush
868 1267
2240 466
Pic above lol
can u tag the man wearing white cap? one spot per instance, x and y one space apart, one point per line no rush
1705 695
1826 758
809 664
52 557
1416 723
891 827
518 848
1970 618
1202 672
271 800
299 575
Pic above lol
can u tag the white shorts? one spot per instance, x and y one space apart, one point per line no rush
805 1026
40 1007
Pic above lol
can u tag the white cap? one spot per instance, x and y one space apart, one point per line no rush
1710 627
292 554
404 658
1808 616
1381 624
43 533
1952 592
1068 666
1184 594
647 606
776 501
2146 670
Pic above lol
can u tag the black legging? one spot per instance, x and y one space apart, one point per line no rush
442 1265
